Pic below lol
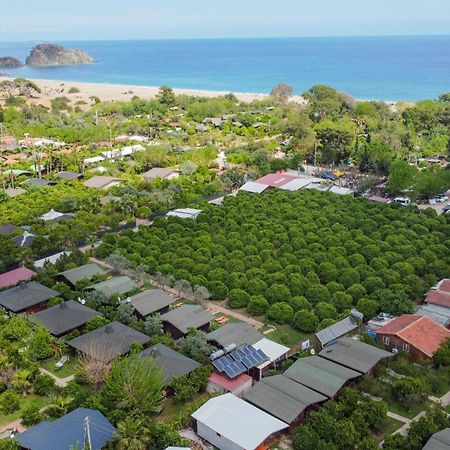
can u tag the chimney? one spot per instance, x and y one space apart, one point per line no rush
109 329
63 305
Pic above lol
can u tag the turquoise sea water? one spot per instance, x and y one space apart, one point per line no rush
384 68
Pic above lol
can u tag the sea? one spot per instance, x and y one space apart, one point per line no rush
379 68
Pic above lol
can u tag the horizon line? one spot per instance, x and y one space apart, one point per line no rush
41 40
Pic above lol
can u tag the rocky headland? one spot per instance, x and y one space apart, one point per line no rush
57 55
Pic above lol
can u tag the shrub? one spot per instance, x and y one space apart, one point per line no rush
237 298
43 384
9 402
280 312
73 90
305 321
257 305
31 415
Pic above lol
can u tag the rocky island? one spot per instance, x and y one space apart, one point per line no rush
8 62
57 55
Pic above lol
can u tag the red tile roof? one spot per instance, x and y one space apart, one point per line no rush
275 179
419 331
15 276
438 297
230 385
444 285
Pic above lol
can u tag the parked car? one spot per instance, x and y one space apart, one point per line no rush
404 201
61 362
328 176
441 198
446 208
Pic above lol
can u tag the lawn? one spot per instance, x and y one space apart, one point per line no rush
390 426
287 335
68 369
171 408
383 390
24 403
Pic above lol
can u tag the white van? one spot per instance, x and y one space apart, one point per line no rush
404 201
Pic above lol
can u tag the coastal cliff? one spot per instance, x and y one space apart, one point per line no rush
8 62
57 55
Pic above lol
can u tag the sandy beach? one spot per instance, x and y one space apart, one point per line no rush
112 92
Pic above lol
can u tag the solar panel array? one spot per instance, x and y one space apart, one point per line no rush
240 360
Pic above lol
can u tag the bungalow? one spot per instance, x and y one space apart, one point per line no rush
65 175
276 180
55 216
439 314
65 317
16 276
108 342
151 302
330 334
12 192
52 259
160 172
117 285
220 382
25 240
254 188
238 333
355 355
275 352
93 160
38 182
172 363
185 213
70 431
26 297
439 297
102 182
180 320
85 272
284 399
420 336
439 440
230 423
321 375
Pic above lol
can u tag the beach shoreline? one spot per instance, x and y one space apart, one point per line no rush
123 92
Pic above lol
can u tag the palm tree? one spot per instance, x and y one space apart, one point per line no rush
132 434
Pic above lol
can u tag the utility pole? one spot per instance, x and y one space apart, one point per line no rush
87 433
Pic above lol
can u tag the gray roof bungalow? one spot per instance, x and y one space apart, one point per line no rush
68 431
172 363
151 302
101 182
178 321
109 341
355 355
438 313
65 317
283 398
117 285
238 333
160 172
38 182
321 375
65 175
85 272
337 330
29 297
439 441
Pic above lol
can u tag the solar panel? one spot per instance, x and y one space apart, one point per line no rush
218 364
237 355
263 355
246 361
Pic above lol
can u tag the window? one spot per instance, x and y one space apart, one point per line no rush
386 340
405 347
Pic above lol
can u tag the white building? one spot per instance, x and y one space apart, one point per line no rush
230 423
185 213
276 353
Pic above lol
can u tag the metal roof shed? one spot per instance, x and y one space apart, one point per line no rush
85 272
439 441
321 375
238 333
336 330
254 188
151 301
283 398
228 422
354 354
118 285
